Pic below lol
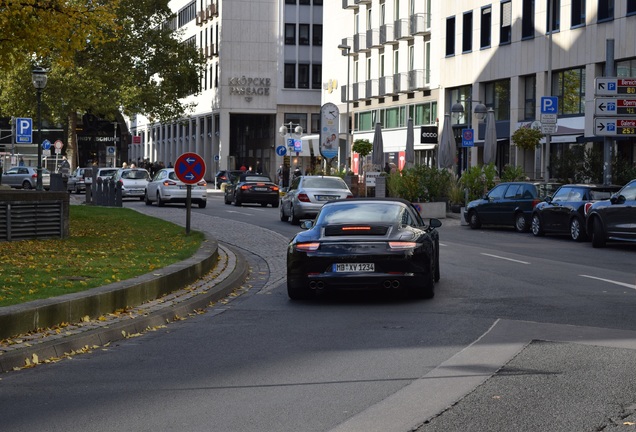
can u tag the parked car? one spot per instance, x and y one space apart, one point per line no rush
133 182
509 203
104 174
613 219
251 188
224 177
166 188
564 211
79 179
365 244
307 194
23 177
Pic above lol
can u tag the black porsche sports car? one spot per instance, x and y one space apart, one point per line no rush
253 189
365 244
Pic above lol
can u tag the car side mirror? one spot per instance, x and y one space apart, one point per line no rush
548 199
617 199
435 223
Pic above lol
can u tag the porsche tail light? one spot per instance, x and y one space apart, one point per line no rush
402 245
356 228
586 207
303 197
307 247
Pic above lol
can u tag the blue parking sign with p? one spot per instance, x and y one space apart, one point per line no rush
24 130
549 104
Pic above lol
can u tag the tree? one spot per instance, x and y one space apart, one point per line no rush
527 138
140 66
51 28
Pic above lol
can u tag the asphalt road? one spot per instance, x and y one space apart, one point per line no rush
523 334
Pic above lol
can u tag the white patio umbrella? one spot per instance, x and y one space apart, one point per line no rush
446 147
377 157
490 139
409 153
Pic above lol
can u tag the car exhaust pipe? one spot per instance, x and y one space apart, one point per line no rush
395 284
320 285
312 285
387 284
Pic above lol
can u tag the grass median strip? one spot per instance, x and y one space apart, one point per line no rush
106 245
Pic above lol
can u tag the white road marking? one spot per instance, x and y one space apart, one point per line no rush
507 259
626 285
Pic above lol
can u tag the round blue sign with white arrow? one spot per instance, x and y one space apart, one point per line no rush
46 144
281 151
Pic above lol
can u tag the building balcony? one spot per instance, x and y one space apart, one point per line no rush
373 38
348 42
402 29
358 91
420 24
360 43
385 86
400 82
362 2
387 35
349 4
419 79
373 88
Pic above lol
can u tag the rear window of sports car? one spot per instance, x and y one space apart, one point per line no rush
361 213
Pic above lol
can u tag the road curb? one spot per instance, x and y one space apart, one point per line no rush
162 312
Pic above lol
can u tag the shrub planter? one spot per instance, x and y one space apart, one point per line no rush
428 210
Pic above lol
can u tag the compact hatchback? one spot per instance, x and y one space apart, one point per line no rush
509 203
133 182
22 177
564 212
166 188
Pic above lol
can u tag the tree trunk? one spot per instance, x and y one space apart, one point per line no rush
72 154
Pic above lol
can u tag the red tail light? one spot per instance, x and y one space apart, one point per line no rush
34 175
202 183
349 196
169 183
303 198
307 247
535 202
245 187
586 207
274 188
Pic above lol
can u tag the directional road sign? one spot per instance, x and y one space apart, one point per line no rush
615 126
614 86
614 106
281 151
468 138
549 104
46 144
190 168
23 130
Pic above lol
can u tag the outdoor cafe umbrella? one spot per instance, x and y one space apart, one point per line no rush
490 139
409 154
446 147
377 158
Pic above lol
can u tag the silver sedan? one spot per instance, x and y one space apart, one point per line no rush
166 187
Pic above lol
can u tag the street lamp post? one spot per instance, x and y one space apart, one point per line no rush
38 77
346 49
457 110
288 131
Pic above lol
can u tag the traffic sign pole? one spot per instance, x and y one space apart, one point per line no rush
190 169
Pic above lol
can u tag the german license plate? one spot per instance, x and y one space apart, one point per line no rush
261 189
353 267
326 197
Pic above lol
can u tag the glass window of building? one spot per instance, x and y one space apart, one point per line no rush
317 35
578 13
631 7
605 10
290 75
290 34
450 36
569 86
486 23
303 34
303 75
529 96
505 30
553 15
626 68
527 19
498 98
467 32
316 76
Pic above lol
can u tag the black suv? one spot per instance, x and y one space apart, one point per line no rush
614 219
564 212
509 203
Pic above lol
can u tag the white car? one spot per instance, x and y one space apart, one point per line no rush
166 187
133 182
